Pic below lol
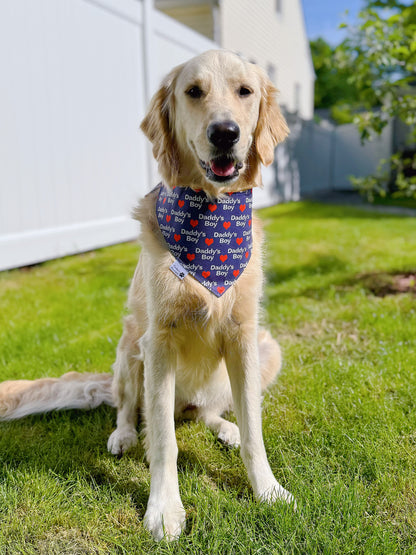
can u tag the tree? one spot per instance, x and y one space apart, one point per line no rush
382 51
334 88
332 85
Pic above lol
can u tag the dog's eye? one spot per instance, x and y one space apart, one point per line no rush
194 92
244 91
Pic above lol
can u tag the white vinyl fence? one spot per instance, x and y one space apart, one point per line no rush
75 79
315 159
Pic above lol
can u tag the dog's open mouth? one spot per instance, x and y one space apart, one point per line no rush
221 169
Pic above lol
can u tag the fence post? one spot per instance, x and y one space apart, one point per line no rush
147 47
148 51
332 154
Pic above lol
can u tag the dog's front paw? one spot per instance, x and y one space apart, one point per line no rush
229 434
165 521
275 492
121 441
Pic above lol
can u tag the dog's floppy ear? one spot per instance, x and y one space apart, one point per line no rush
159 129
271 126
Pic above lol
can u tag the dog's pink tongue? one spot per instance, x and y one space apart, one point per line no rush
222 170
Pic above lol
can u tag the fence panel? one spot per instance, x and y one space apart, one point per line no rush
316 158
314 152
74 82
72 158
353 158
303 163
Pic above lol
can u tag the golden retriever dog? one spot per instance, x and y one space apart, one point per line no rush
191 347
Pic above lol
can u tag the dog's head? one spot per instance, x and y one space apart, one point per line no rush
212 123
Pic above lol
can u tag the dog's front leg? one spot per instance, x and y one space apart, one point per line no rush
242 360
165 515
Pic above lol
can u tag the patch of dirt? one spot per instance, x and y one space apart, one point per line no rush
383 283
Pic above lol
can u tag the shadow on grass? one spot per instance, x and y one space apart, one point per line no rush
332 272
315 279
68 443
74 442
320 265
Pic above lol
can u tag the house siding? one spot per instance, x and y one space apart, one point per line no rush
276 40
198 17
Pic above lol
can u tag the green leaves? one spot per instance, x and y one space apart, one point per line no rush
333 84
402 166
382 51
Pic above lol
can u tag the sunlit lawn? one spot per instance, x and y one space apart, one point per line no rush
339 425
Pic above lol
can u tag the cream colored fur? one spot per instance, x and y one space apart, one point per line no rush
72 391
185 352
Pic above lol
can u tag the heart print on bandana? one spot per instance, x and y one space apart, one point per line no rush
211 239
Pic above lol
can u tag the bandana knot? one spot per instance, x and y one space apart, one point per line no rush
210 239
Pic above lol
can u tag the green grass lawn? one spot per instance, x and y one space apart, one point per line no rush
339 425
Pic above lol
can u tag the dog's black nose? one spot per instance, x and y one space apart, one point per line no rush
223 134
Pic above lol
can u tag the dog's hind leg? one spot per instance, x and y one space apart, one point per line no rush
270 358
127 389
228 432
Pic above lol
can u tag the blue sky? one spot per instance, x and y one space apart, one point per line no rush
323 17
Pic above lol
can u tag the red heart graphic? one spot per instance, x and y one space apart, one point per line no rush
226 224
182 202
197 190
239 240
212 207
194 223
209 241
177 237
174 187
242 207
206 274
168 217
223 257
220 290
236 272
164 200
249 223
190 256
246 255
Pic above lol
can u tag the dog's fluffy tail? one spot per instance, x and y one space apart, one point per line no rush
71 391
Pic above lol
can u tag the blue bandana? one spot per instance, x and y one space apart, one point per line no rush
210 239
